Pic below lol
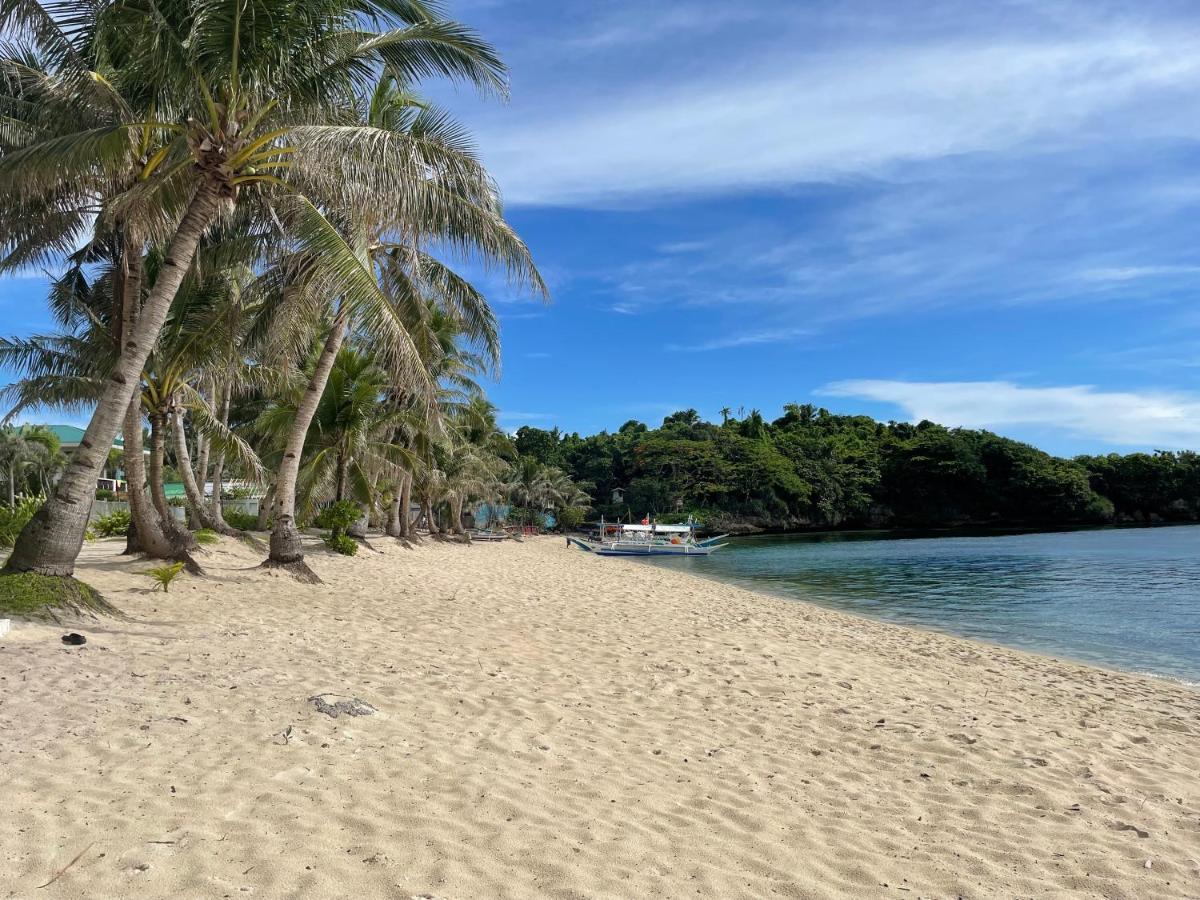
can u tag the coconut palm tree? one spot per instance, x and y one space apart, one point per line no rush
402 279
208 106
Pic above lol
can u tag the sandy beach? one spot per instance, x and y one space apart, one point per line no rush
551 724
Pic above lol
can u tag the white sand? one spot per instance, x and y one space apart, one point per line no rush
557 725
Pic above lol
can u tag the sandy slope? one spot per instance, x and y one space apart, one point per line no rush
554 724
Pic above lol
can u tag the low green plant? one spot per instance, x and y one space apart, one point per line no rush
43 597
112 525
105 494
206 536
242 521
14 518
164 575
176 501
341 543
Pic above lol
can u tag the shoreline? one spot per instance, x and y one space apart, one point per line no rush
766 591
550 724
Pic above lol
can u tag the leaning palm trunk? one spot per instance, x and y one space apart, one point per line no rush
52 539
429 515
179 536
146 532
195 494
286 548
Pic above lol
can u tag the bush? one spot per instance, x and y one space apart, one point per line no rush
105 494
340 543
176 501
337 517
14 518
242 521
112 525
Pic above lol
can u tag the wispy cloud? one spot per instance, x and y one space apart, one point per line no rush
855 108
1127 418
514 418
748 339
1136 273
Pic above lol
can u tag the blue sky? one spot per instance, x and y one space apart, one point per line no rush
984 214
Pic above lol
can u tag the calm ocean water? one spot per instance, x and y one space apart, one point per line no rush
1122 598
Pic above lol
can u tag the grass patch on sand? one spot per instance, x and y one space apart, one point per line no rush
24 595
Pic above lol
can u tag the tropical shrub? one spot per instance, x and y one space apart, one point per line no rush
337 517
341 543
112 525
105 494
242 521
14 518
569 518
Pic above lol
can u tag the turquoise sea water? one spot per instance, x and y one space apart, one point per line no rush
1122 598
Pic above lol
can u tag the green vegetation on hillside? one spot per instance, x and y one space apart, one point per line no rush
813 469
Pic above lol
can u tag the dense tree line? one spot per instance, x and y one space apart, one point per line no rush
813 469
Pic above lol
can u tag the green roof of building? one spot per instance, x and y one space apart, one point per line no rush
71 435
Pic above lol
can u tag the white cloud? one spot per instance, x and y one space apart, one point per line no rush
856 109
749 339
1136 273
524 416
1129 418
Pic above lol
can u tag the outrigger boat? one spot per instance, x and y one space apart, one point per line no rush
647 540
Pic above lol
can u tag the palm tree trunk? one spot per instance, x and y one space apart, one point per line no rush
202 454
216 511
50 542
146 533
286 549
456 506
393 527
264 508
406 506
339 493
195 494
179 536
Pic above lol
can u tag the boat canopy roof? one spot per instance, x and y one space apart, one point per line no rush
660 529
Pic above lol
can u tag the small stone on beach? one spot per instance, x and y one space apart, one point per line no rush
351 706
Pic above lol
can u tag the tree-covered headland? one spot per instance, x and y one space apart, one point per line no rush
811 468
